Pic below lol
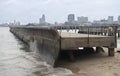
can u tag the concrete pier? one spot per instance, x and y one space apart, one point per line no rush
49 42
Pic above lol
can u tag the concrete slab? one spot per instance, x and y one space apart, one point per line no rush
74 41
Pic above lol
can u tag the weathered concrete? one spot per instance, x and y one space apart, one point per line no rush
111 52
48 42
73 41
44 40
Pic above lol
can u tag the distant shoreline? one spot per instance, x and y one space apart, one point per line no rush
4 26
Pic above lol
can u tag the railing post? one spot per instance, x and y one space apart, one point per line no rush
88 34
115 36
75 28
118 34
60 29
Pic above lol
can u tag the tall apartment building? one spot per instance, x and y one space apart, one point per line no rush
82 19
71 18
110 19
118 18
42 20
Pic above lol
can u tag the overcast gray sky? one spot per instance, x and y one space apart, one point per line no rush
27 11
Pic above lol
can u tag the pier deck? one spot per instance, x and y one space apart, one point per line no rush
74 41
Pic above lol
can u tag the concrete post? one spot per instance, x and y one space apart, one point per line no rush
105 33
111 51
99 49
71 56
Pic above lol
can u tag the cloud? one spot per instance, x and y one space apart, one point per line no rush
56 10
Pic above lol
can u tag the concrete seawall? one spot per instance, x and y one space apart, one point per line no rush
44 40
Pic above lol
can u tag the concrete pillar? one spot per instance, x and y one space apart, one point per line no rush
99 49
111 51
118 34
105 33
102 33
71 56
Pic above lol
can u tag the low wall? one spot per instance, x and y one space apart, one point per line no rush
44 40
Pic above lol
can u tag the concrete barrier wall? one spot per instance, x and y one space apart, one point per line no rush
44 40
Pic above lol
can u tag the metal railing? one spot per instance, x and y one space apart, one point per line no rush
92 30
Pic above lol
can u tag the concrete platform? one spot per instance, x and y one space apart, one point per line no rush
74 41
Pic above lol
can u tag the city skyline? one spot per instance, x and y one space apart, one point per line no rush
71 18
27 11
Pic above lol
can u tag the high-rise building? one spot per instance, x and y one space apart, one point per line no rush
110 19
82 19
71 18
42 20
118 18
16 22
